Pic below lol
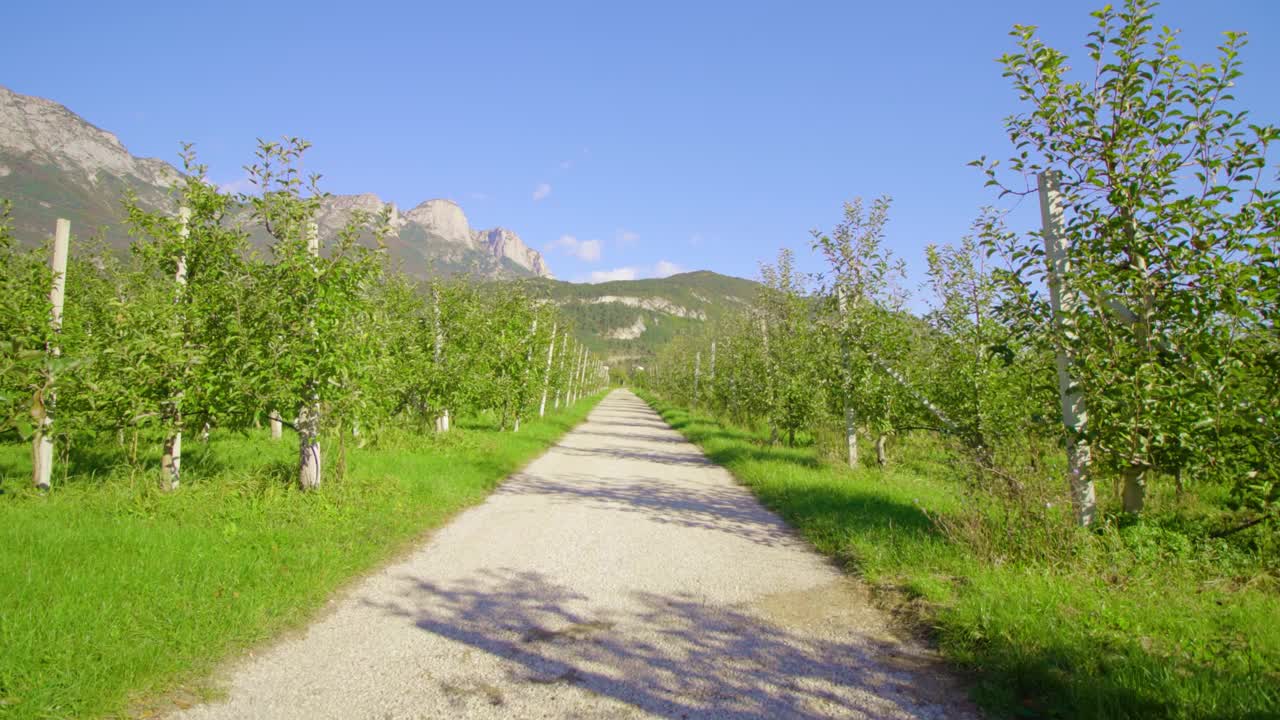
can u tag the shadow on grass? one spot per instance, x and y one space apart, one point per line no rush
1034 651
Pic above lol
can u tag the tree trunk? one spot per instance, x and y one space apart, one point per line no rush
1135 489
1063 303
546 378
171 461
171 457
308 448
882 458
42 441
850 415
851 435
277 427
309 415
711 374
697 375
442 421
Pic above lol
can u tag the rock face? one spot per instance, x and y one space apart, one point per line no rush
650 303
503 243
53 164
630 332
439 219
47 133
442 218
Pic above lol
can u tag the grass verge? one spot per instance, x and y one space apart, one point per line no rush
112 593
1142 624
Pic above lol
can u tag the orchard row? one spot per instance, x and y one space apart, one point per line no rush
196 330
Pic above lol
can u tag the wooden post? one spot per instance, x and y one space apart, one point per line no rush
711 375
524 380
546 378
846 390
309 464
697 375
1064 303
564 354
171 455
42 442
442 420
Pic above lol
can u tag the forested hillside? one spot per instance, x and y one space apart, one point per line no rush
628 321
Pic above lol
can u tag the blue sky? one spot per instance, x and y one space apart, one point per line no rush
620 139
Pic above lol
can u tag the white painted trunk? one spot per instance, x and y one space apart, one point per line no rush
309 465
524 376
882 457
171 456
1063 303
851 435
308 448
850 415
697 375
546 378
277 427
42 442
711 374
442 420
171 461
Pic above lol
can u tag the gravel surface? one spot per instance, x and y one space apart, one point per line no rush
620 575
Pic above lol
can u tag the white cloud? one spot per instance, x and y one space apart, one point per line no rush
542 191
622 273
625 237
240 185
588 250
665 268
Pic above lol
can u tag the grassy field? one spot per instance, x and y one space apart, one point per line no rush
1148 620
113 594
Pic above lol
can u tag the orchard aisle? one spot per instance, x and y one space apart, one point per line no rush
620 575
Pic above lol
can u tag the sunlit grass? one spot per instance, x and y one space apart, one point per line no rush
1149 620
112 592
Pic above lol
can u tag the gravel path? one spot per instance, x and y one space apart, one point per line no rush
621 575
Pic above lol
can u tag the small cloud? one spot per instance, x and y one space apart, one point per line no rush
696 239
541 192
566 164
665 268
622 273
626 237
588 250
236 187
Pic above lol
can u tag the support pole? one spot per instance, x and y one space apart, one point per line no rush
546 377
171 456
42 442
309 414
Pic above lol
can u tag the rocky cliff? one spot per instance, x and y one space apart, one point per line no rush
53 163
442 220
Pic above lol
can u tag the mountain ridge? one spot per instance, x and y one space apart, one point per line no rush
55 163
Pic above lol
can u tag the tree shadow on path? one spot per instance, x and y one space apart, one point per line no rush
675 656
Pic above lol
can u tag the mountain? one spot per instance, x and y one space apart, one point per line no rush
627 321
54 163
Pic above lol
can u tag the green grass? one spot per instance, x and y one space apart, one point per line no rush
113 594
1147 620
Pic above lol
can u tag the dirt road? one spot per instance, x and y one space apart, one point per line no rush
620 575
